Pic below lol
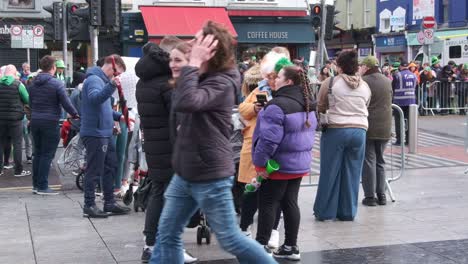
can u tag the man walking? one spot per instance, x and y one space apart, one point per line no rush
97 125
13 97
378 133
404 94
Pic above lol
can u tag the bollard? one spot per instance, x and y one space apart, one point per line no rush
413 129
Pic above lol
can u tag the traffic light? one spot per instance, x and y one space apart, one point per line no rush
316 15
95 12
111 13
77 20
54 23
331 22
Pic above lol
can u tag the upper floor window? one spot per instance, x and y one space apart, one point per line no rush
349 13
446 7
367 13
20 4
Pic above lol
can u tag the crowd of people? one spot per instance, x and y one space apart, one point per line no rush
186 93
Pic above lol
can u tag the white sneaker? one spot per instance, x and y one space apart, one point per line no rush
189 258
274 239
23 173
123 189
8 167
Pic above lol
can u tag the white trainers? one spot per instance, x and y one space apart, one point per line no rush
23 173
8 167
274 239
189 258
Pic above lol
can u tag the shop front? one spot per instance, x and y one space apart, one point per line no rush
391 48
257 36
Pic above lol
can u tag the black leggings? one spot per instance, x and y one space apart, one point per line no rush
7 151
274 194
249 208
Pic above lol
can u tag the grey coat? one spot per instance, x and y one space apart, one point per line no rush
380 107
204 106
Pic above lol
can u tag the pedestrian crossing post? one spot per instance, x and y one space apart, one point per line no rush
413 129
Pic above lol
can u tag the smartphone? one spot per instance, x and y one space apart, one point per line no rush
262 99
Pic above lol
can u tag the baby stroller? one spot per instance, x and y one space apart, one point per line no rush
72 161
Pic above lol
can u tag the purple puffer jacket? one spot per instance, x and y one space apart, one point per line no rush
281 133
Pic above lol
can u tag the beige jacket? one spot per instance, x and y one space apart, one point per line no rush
351 96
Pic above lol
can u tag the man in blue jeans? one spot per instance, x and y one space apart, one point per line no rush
47 96
202 157
97 124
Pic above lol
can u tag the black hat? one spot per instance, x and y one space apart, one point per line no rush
404 64
452 63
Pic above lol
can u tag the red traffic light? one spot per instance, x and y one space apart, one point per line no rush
317 10
73 8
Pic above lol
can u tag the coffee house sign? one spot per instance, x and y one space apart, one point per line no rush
267 35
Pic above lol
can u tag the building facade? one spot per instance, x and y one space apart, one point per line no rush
356 25
31 13
259 25
399 22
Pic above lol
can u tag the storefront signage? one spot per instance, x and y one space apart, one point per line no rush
267 35
5 30
390 41
397 21
274 32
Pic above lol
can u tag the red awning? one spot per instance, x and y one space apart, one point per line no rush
162 21
273 13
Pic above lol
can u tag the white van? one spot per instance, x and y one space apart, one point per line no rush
455 49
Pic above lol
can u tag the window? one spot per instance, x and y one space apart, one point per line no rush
446 10
349 13
20 4
384 19
455 52
367 13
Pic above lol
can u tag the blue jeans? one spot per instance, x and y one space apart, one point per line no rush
101 164
341 158
46 136
182 199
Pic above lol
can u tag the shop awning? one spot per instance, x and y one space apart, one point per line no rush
271 13
182 22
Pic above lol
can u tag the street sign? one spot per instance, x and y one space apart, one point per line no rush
27 37
429 22
421 37
428 36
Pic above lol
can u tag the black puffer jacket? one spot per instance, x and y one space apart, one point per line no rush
153 94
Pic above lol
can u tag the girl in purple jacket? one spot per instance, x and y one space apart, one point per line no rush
285 133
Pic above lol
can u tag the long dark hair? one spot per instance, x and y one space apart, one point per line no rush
298 76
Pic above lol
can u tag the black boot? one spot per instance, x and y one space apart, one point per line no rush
94 212
116 209
381 199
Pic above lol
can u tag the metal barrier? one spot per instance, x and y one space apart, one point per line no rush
443 97
310 183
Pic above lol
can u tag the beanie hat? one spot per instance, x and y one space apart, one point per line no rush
253 75
434 60
396 64
428 68
370 61
283 62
